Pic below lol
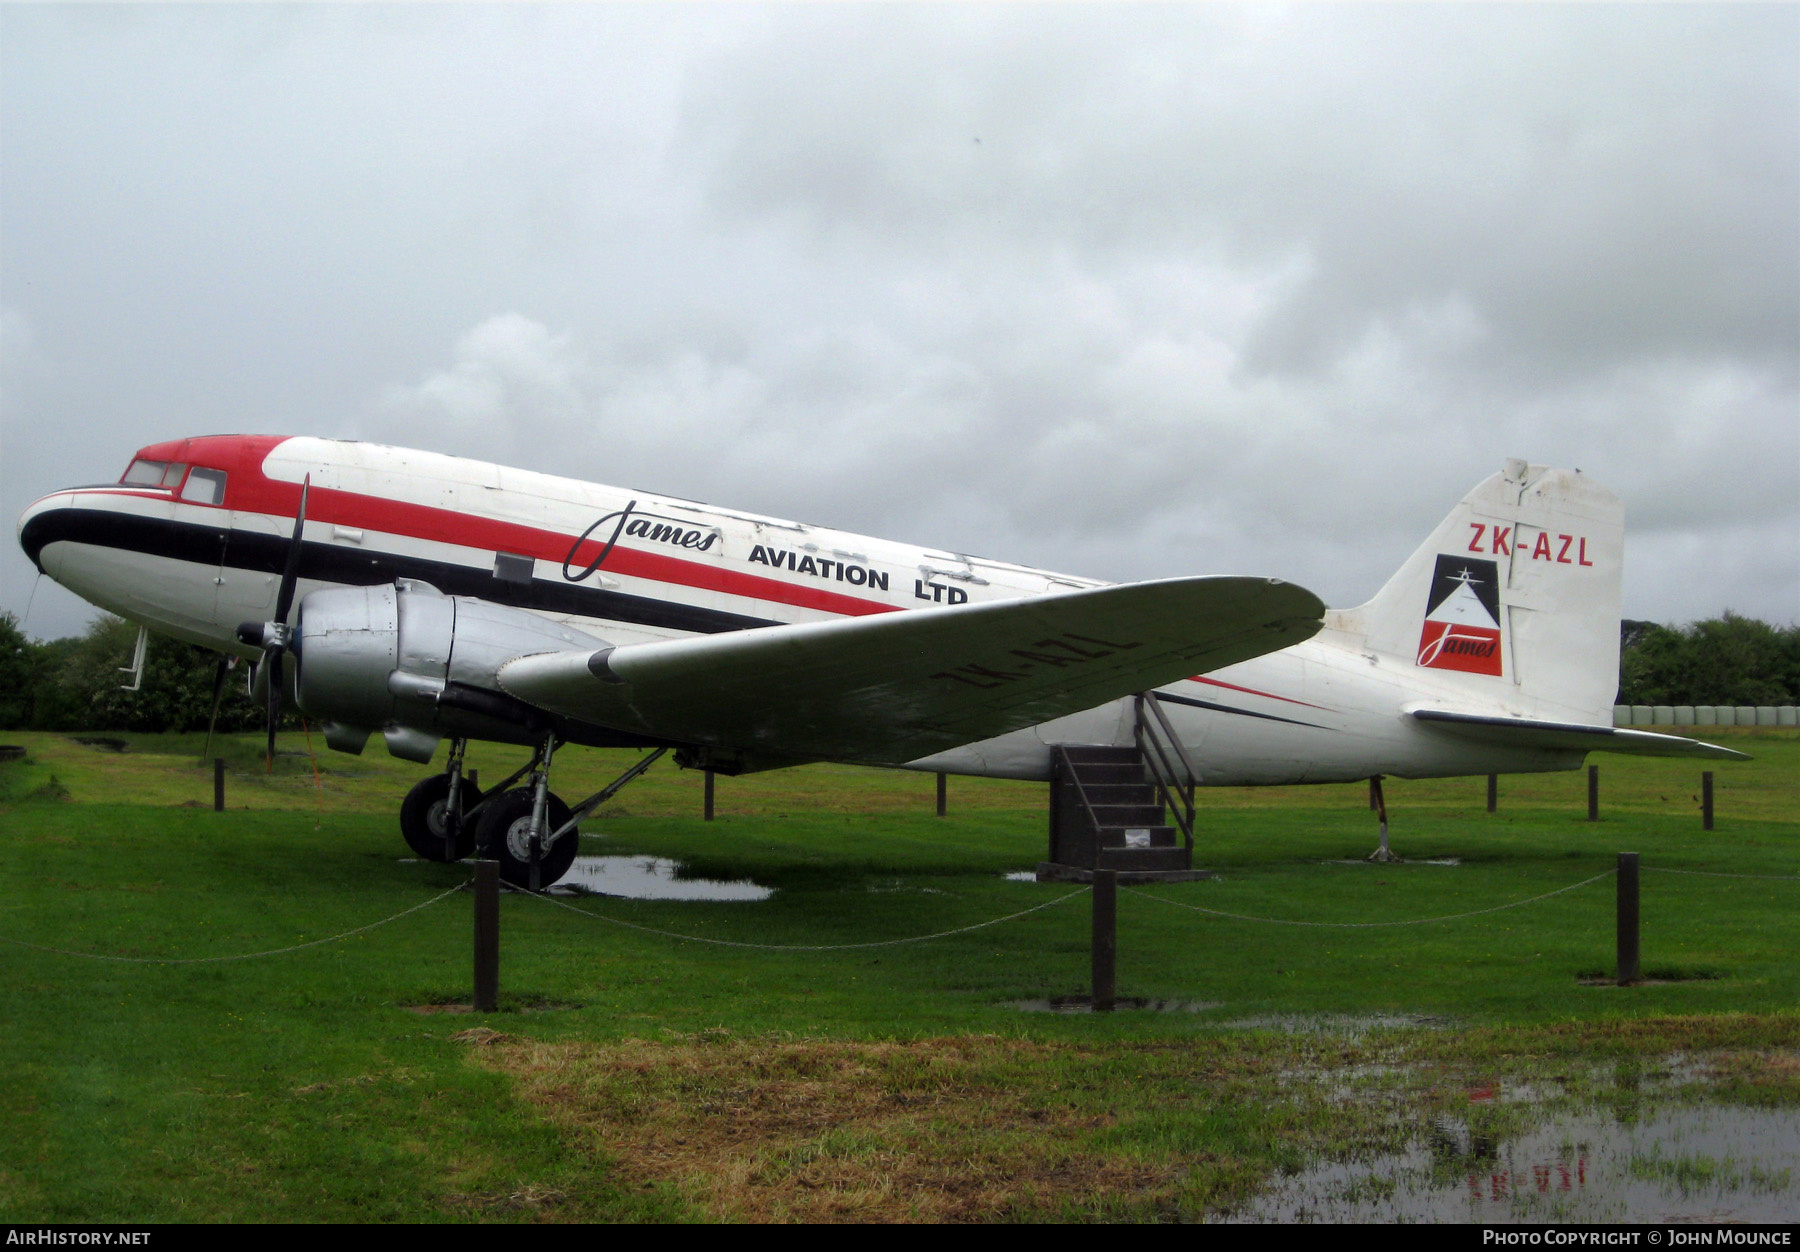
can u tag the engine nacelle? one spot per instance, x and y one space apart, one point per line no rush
417 665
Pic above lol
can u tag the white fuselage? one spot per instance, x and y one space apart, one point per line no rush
631 567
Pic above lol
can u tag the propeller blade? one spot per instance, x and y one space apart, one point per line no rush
273 636
284 600
273 659
212 722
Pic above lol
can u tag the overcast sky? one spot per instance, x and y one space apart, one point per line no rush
1122 290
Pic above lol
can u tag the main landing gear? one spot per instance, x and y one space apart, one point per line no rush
529 829
435 816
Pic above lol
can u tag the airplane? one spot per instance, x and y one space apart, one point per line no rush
430 597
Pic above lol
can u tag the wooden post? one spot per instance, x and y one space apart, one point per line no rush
487 936
1706 799
1628 965
219 785
943 799
1593 793
1493 792
1106 938
709 795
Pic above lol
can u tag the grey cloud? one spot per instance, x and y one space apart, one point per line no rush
1122 290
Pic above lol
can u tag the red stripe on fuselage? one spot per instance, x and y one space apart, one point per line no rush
1251 691
250 489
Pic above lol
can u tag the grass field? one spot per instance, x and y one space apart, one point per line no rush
635 1076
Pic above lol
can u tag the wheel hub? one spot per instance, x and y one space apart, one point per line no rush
518 840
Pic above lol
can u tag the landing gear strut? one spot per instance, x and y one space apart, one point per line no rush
1381 855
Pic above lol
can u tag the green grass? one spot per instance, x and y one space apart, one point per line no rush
886 1082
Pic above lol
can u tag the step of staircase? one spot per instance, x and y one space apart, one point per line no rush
1109 773
1110 794
1134 838
1108 816
1143 859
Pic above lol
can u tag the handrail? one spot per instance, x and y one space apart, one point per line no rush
1155 750
1074 776
1159 768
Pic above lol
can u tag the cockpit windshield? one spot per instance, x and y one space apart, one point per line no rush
203 486
153 473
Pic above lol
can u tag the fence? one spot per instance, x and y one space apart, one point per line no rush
1705 715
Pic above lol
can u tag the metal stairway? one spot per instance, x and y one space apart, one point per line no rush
1128 809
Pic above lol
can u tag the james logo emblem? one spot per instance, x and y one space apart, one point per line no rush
1462 617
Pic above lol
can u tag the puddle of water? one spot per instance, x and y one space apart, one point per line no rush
1442 860
1702 1163
894 885
1080 1004
649 878
1336 1023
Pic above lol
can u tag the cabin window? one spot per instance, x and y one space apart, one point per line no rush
205 486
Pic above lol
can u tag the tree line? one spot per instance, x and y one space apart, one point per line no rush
75 683
1723 660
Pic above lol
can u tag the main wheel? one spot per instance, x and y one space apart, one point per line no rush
503 833
424 819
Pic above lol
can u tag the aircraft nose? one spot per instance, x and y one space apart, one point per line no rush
38 524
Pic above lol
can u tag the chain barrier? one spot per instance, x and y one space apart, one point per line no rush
1702 873
1417 921
799 947
242 956
879 943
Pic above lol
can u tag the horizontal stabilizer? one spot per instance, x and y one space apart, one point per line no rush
892 688
1524 733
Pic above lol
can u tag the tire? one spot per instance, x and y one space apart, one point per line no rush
422 816
505 825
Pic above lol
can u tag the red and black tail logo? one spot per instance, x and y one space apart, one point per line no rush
1462 617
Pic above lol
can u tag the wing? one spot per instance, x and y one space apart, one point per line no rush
1524 733
892 688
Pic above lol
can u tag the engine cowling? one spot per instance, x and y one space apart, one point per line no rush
417 665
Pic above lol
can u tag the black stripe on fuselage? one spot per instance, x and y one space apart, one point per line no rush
1226 708
321 562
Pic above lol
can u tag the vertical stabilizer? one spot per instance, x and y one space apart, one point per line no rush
1513 602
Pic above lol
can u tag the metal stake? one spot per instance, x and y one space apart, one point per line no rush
1706 800
942 797
1593 793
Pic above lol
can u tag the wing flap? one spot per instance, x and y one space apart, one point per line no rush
1525 733
891 688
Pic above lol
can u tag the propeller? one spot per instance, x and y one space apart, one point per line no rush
275 637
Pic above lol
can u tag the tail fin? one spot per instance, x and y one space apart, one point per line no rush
1514 600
